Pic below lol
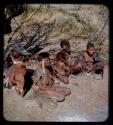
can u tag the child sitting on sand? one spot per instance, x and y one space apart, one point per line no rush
92 60
44 79
15 74
62 70
75 67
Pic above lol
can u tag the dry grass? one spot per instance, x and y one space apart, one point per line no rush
71 21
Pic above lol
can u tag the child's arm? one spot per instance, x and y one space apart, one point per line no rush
67 69
20 81
12 79
97 57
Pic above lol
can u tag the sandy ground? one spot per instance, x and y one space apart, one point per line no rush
87 102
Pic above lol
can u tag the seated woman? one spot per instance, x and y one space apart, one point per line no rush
44 79
62 71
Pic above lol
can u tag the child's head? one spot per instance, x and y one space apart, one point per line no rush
60 57
90 49
44 56
65 45
17 56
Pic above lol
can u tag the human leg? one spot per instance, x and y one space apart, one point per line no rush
56 95
66 90
64 79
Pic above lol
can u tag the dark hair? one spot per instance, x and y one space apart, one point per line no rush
42 55
15 54
60 56
64 42
89 45
25 59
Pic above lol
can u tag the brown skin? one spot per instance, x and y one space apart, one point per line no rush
98 66
47 62
91 51
47 86
11 79
19 84
19 78
67 49
63 71
17 56
28 62
16 77
16 73
89 59
75 67
88 56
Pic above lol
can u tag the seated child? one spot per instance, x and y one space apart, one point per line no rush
62 70
15 74
74 66
44 79
92 60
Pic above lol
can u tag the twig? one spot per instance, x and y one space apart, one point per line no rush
22 24
100 33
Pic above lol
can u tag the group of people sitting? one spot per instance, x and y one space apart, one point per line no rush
47 75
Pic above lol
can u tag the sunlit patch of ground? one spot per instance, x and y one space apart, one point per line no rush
87 102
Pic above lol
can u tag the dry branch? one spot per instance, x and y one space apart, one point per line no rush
16 30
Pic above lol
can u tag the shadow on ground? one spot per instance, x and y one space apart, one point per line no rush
28 80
